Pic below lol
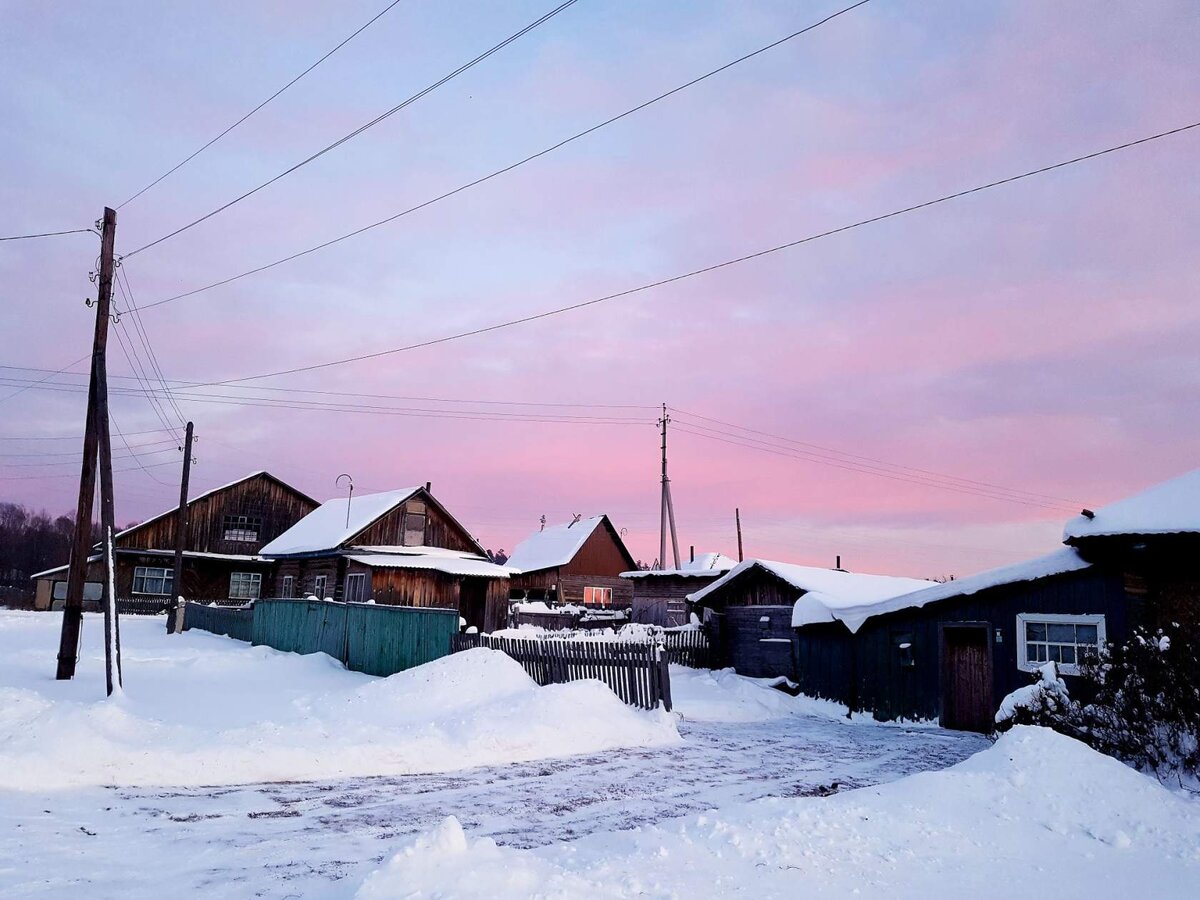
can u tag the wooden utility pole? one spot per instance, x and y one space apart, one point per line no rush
81 544
668 509
175 615
737 515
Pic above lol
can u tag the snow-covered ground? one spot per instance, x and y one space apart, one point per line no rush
745 791
1038 815
203 709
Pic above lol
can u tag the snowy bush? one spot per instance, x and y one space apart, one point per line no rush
1036 704
1142 703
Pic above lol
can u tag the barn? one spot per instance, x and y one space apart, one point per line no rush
748 610
660 595
399 548
577 563
950 652
226 530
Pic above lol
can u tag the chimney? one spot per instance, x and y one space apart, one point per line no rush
693 553
839 561
428 486
1087 514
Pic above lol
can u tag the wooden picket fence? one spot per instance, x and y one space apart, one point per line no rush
142 606
688 648
638 673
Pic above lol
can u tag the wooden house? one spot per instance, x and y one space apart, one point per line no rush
400 548
226 528
577 563
660 595
748 610
951 652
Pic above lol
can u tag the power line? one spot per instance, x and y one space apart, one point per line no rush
135 364
70 365
353 134
73 475
75 453
68 437
867 459
44 234
137 458
762 446
139 326
196 153
710 268
506 169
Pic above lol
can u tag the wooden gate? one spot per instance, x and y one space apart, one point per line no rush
967 703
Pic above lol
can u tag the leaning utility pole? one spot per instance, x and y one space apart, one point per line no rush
175 616
81 543
737 516
668 509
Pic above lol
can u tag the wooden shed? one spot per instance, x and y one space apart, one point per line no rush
577 563
748 610
226 528
951 652
401 548
660 595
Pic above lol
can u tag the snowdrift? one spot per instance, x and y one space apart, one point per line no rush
1038 814
202 709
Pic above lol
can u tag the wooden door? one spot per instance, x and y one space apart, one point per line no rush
967 678
472 602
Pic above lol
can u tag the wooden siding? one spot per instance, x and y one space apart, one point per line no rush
204 580
662 599
598 563
440 528
753 647
277 506
482 602
753 587
602 553
866 671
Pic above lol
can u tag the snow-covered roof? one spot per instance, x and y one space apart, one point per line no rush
706 565
837 587
437 559
553 546
1171 507
326 528
811 609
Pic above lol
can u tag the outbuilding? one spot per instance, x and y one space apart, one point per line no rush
660 595
579 562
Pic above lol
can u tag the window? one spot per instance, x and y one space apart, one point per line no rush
245 585
414 524
289 586
319 582
92 590
597 596
356 588
1043 638
153 581
243 529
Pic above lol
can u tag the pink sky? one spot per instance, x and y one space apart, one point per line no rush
1040 336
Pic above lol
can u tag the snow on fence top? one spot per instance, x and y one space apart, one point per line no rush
704 565
553 546
325 527
854 615
1171 507
834 588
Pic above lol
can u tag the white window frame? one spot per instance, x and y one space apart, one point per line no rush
590 596
288 588
1024 619
241 529
320 586
359 579
167 577
254 581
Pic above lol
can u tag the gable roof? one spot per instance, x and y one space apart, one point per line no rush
557 545
834 586
210 492
811 609
706 565
327 527
1172 507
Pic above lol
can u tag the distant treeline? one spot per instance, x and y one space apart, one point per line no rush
31 542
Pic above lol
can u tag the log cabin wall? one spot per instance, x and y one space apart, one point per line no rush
419 521
204 580
662 599
571 589
269 506
482 602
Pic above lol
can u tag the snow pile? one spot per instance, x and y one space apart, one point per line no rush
725 696
1048 688
202 709
1036 814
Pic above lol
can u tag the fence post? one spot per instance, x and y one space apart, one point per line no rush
663 665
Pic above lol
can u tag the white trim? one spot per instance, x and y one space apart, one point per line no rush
320 586
359 579
1054 619
253 582
288 588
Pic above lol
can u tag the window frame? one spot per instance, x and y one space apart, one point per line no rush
605 593
168 577
255 579
244 529
320 586
356 578
1023 619
288 588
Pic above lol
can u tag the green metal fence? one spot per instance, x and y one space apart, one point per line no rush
377 640
231 621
